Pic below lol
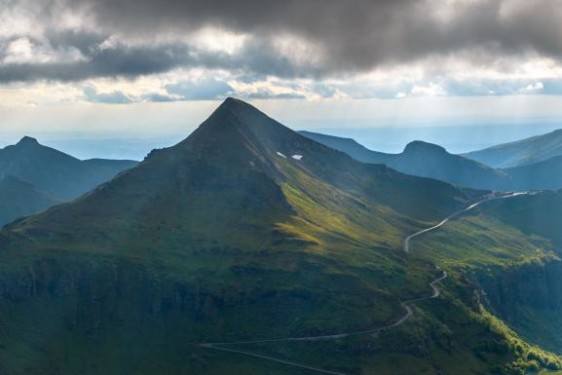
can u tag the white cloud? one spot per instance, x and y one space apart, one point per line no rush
429 89
23 50
536 86
215 39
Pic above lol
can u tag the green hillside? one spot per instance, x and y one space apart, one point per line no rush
247 230
510 249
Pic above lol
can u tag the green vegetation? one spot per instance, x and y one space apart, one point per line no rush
517 269
533 215
220 239
479 241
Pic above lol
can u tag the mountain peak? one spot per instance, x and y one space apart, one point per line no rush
231 101
232 117
27 141
235 105
421 146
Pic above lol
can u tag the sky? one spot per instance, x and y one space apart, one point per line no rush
152 70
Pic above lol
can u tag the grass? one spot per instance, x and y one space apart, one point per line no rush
478 241
218 239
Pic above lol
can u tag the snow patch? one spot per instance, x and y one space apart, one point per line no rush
280 154
297 157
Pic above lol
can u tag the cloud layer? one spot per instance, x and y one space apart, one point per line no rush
326 41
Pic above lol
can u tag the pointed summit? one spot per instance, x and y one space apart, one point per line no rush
233 106
236 112
233 103
238 132
27 141
245 218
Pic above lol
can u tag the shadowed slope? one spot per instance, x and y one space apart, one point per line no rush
244 230
524 152
542 175
424 160
19 198
55 172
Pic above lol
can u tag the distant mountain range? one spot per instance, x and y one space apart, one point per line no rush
35 177
544 175
350 147
247 230
524 152
429 160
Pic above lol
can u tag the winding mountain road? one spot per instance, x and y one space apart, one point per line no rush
220 346
458 213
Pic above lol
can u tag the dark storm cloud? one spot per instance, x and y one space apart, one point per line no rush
84 41
356 34
103 58
106 62
348 36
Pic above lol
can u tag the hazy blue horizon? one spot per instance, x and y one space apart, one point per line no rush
456 139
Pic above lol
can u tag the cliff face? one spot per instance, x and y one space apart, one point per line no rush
529 298
118 316
52 315
113 316
90 315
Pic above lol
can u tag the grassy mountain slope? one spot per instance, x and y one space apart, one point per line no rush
510 248
55 172
245 230
534 214
527 151
19 198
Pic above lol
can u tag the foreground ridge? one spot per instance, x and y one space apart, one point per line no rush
220 346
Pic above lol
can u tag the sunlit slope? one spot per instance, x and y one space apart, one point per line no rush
229 182
509 250
245 230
